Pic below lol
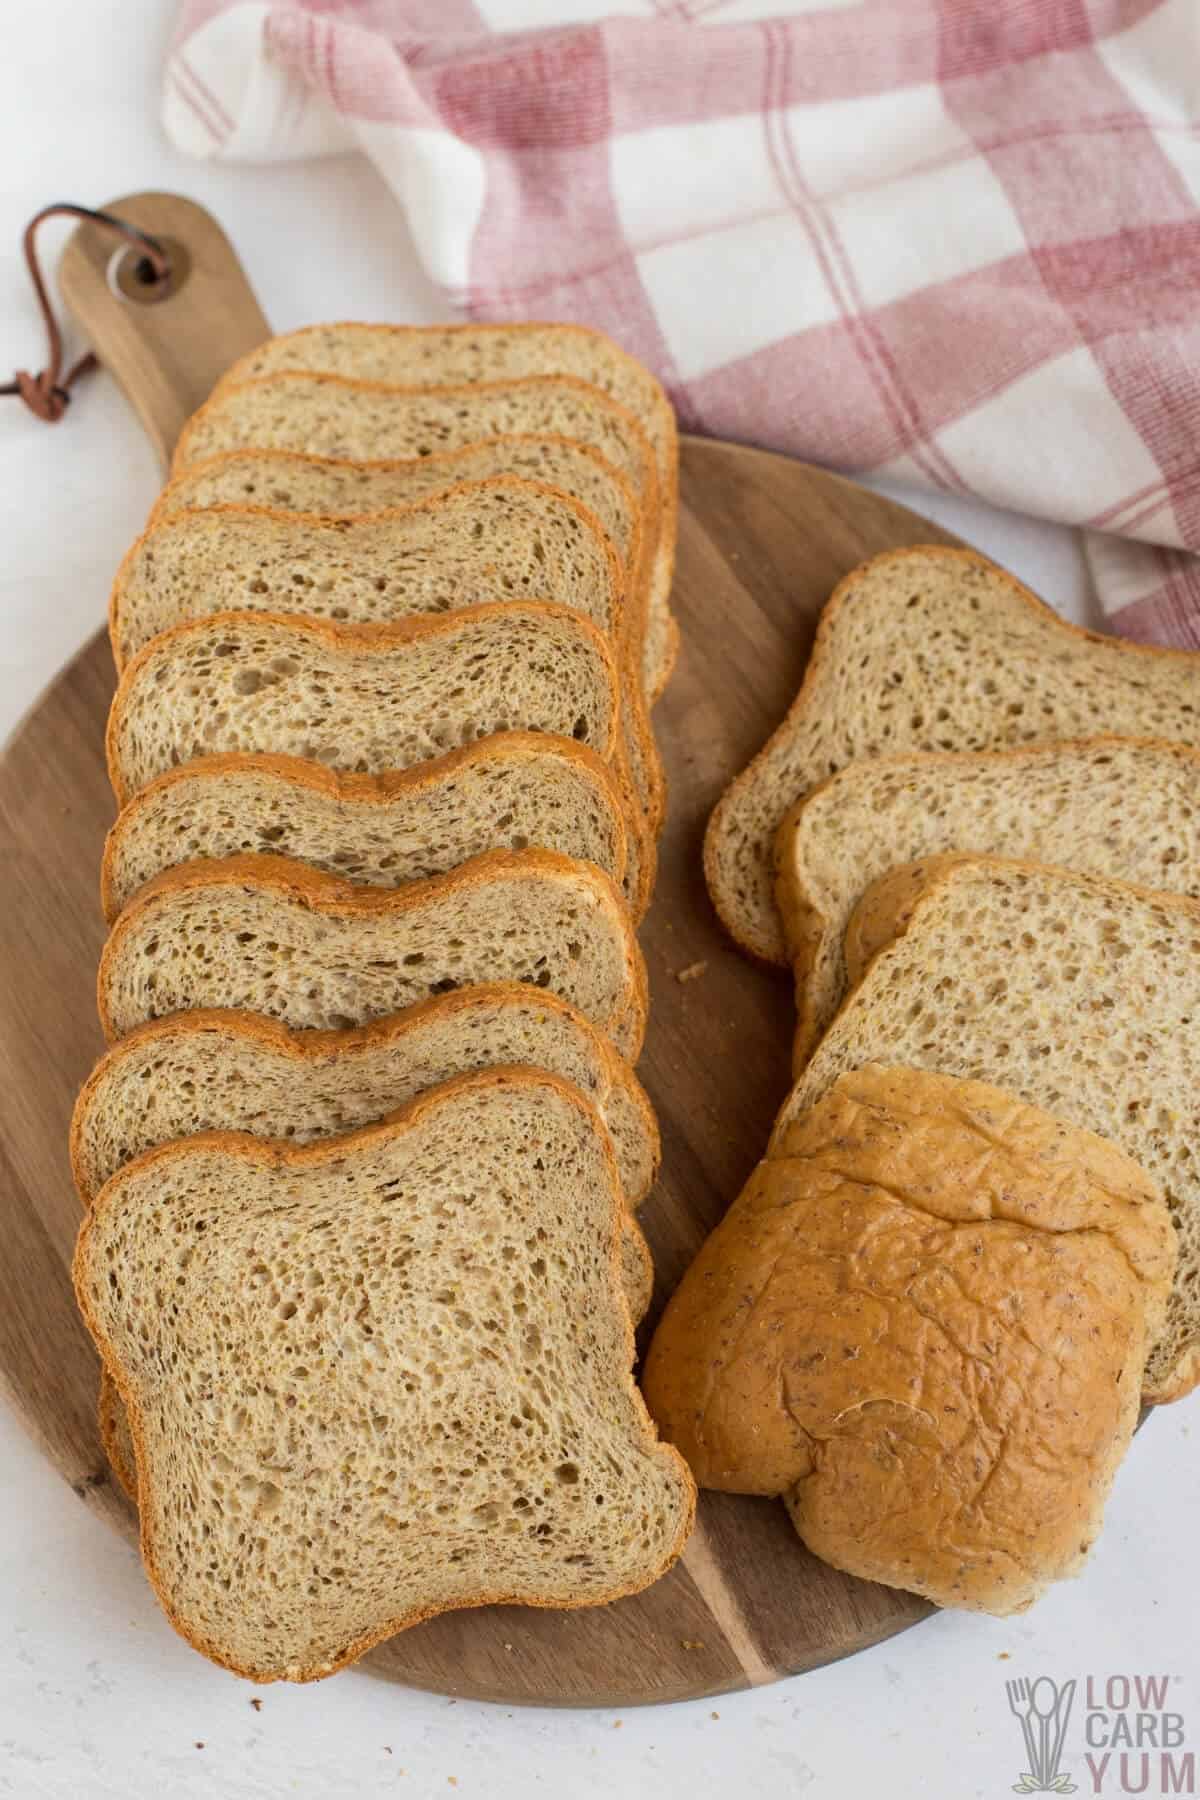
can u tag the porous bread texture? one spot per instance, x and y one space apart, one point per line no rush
509 792
334 487
475 544
291 481
378 1378
270 936
930 649
881 914
1127 808
331 415
1077 994
368 699
473 354
365 700
368 421
501 539
211 1070
112 1420
923 1322
468 355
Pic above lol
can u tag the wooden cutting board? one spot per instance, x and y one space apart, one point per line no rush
762 541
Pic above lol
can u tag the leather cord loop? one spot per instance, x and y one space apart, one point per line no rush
47 395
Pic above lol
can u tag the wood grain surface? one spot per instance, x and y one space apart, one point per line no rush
763 540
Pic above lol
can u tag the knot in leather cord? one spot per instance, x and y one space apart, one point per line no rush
45 402
48 395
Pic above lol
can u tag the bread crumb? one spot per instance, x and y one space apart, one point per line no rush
617 1724
691 1643
256 1703
1003 1656
693 972
714 1715
508 1646
199 1743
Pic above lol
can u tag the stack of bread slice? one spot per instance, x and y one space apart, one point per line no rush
976 840
362 1163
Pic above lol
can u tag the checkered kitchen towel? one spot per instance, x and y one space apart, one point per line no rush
952 241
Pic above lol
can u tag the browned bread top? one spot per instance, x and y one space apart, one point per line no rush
924 1323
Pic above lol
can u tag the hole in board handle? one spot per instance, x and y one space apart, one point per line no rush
131 274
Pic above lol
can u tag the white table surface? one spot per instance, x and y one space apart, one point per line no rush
98 1698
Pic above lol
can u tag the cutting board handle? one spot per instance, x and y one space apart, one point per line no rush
167 344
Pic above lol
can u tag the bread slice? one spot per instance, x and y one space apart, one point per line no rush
330 415
501 539
512 791
364 700
369 699
204 1071
411 355
273 937
1076 994
393 1376
112 1419
931 649
1109 806
291 481
923 1322
337 488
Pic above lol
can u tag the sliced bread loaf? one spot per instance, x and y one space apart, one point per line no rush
330 415
437 354
931 649
1129 808
509 792
394 1376
273 937
502 539
1078 995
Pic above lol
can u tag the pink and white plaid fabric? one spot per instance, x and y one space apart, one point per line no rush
950 241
